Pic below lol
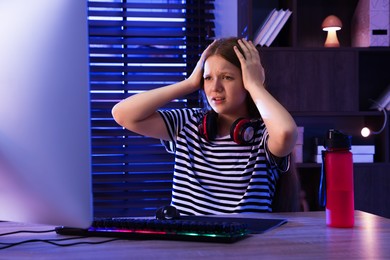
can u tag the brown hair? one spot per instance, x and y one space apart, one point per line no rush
224 48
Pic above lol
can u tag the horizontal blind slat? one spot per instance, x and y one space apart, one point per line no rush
206 5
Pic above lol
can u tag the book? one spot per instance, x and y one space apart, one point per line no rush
278 27
272 27
264 28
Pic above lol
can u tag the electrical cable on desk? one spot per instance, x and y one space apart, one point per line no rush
27 231
50 241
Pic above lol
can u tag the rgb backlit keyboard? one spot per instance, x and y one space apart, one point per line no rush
179 229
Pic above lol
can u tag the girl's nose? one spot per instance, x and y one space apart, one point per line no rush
216 85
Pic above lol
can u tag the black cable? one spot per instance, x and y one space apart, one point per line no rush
53 242
27 231
50 241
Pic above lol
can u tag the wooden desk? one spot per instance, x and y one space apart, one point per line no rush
304 236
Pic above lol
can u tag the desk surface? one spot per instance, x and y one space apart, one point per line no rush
304 236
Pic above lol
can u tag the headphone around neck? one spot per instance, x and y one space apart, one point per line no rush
242 131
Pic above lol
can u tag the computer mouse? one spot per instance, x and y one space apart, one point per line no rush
167 212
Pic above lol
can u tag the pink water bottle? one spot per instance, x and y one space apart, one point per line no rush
336 188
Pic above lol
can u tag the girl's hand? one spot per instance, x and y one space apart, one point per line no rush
252 70
196 76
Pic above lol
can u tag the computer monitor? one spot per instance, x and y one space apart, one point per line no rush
45 157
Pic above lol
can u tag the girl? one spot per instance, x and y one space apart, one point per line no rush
229 155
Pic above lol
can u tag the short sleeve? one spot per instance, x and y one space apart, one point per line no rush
282 164
175 120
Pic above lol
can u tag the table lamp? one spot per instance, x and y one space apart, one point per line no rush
331 24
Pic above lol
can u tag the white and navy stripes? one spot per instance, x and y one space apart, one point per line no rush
218 176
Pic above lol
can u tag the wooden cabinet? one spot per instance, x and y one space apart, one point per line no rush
316 81
327 88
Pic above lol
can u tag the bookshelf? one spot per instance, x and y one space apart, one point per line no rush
327 88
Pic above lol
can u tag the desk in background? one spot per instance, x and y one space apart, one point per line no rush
304 236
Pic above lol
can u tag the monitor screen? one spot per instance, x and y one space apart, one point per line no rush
45 157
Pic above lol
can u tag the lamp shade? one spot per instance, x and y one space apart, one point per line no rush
331 22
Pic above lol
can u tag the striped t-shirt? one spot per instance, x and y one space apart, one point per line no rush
218 176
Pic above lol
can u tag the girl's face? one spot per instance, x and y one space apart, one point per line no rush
223 87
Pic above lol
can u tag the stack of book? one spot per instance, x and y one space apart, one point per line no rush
271 27
360 153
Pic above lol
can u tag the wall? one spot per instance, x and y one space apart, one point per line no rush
225 18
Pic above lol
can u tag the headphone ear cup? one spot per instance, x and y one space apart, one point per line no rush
243 131
208 126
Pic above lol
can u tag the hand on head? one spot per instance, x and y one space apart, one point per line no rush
252 70
197 74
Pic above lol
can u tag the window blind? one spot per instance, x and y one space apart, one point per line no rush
136 46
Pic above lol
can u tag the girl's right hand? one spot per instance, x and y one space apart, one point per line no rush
196 76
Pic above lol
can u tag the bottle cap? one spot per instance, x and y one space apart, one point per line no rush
337 140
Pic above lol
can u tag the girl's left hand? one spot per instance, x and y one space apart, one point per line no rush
252 70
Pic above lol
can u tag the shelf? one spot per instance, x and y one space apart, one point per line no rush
327 88
303 29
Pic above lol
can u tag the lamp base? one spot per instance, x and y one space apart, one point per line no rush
331 40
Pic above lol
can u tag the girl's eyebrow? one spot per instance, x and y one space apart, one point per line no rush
222 73
230 74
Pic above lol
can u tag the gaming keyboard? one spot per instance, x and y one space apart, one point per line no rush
201 229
